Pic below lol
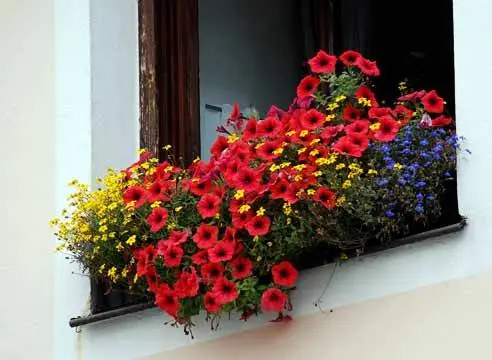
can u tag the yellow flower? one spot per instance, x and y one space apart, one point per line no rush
197 159
131 240
289 220
256 238
259 145
259 258
372 172
239 194
168 169
340 200
322 161
329 117
332 106
232 138
124 272
178 209
260 211
274 167
375 126
287 209
284 165
317 173
171 226
155 204
354 166
301 150
103 228
303 133
364 102
340 98
135 278
314 152
167 147
299 167
244 208
311 192
101 268
398 166
55 221
141 151
278 151
340 166
112 272
290 133
346 184
314 141
297 178
119 247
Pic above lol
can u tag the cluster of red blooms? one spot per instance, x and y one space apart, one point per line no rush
258 163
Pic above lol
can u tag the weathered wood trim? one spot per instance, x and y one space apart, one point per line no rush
149 111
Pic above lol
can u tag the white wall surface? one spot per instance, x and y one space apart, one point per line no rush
26 178
249 54
406 268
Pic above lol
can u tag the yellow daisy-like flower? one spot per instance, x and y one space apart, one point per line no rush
346 184
375 126
290 133
284 165
301 150
340 166
299 167
311 192
340 98
332 106
119 247
329 117
314 152
314 141
398 166
260 211
274 167
232 138
131 240
167 147
287 209
317 173
278 151
244 208
372 172
197 159
304 133
340 201
239 194
178 209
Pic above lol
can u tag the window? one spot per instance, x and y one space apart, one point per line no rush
199 56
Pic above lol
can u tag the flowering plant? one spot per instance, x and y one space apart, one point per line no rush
336 168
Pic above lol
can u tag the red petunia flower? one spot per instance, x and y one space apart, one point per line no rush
267 150
136 194
259 225
219 146
364 92
241 268
247 179
200 187
441 121
367 67
280 189
351 113
273 300
350 57
388 129
166 299
225 291
284 274
329 132
187 284
433 103
211 272
145 257
403 114
210 303
358 127
178 237
377 112
222 251
361 140
312 119
250 130
229 235
307 86
268 127
156 192
345 146
241 150
206 236
173 256
239 220
322 63
414 97
326 197
157 219
200 257
208 206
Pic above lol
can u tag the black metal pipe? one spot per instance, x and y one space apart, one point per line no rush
84 320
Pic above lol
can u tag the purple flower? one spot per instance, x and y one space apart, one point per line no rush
420 197
390 214
424 142
382 182
419 208
420 184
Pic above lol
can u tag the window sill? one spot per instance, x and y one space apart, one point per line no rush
89 319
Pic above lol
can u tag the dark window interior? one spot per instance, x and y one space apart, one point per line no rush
411 41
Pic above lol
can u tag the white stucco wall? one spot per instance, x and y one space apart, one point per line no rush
96 126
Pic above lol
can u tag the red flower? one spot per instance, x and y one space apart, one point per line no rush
258 225
351 113
187 285
441 121
329 132
210 303
388 129
312 119
349 57
403 114
345 146
267 150
361 140
206 236
367 67
167 300
280 189
358 127
239 220
364 92
241 268
200 257
433 103
135 194
323 63
250 130
208 206
284 274
229 235
225 291
178 237
157 219
414 97
326 197
222 251
273 300
377 112
268 127
173 256
200 187
211 272
145 257
219 146
156 192
247 179
307 86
